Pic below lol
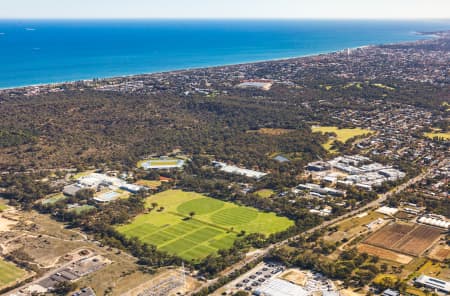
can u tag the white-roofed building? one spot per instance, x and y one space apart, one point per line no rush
131 188
387 210
279 287
433 283
263 84
238 171
390 292
434 222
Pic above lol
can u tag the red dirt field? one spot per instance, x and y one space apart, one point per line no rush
410 239
440 253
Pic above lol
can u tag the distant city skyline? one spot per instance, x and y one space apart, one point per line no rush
218 9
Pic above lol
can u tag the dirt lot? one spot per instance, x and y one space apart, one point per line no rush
418 240
389 235
411 239
116 278
403 215
45 241
295 276
440 252
384 254
9 217
49 244
6 222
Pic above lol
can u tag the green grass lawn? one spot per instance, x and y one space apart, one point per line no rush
170 161
379 85
354 222
9 273
265 193
358 85
415 291
54 198
3 207
342 135
214 226
81 209
149 183
379 278
82 174
439 134
445 104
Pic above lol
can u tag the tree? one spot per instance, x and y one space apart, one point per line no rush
240 293
192 214
63 288
84 194
386 283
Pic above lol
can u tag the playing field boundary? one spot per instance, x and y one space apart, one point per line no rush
204 222
215 225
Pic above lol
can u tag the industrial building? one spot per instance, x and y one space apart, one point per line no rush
105 184
390 292
354 170
433 283
279 287
231 169
321 190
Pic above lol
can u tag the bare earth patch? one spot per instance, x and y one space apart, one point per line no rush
384 254
440 252
407 238
295 276
6 223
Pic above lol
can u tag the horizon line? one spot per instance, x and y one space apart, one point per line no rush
232 18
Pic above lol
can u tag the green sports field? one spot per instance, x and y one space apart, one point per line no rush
214 226
9 273
149 163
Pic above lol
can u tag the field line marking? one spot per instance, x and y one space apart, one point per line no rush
204 222
405 237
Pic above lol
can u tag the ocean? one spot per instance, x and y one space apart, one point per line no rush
38 51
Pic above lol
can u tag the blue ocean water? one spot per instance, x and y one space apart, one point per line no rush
37 51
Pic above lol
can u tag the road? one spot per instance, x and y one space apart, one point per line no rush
381 199
17 291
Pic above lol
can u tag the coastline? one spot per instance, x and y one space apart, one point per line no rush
430 35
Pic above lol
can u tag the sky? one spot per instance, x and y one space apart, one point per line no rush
221 9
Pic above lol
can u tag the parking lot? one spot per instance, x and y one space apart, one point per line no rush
253 279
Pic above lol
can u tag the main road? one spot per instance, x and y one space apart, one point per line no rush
373 204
